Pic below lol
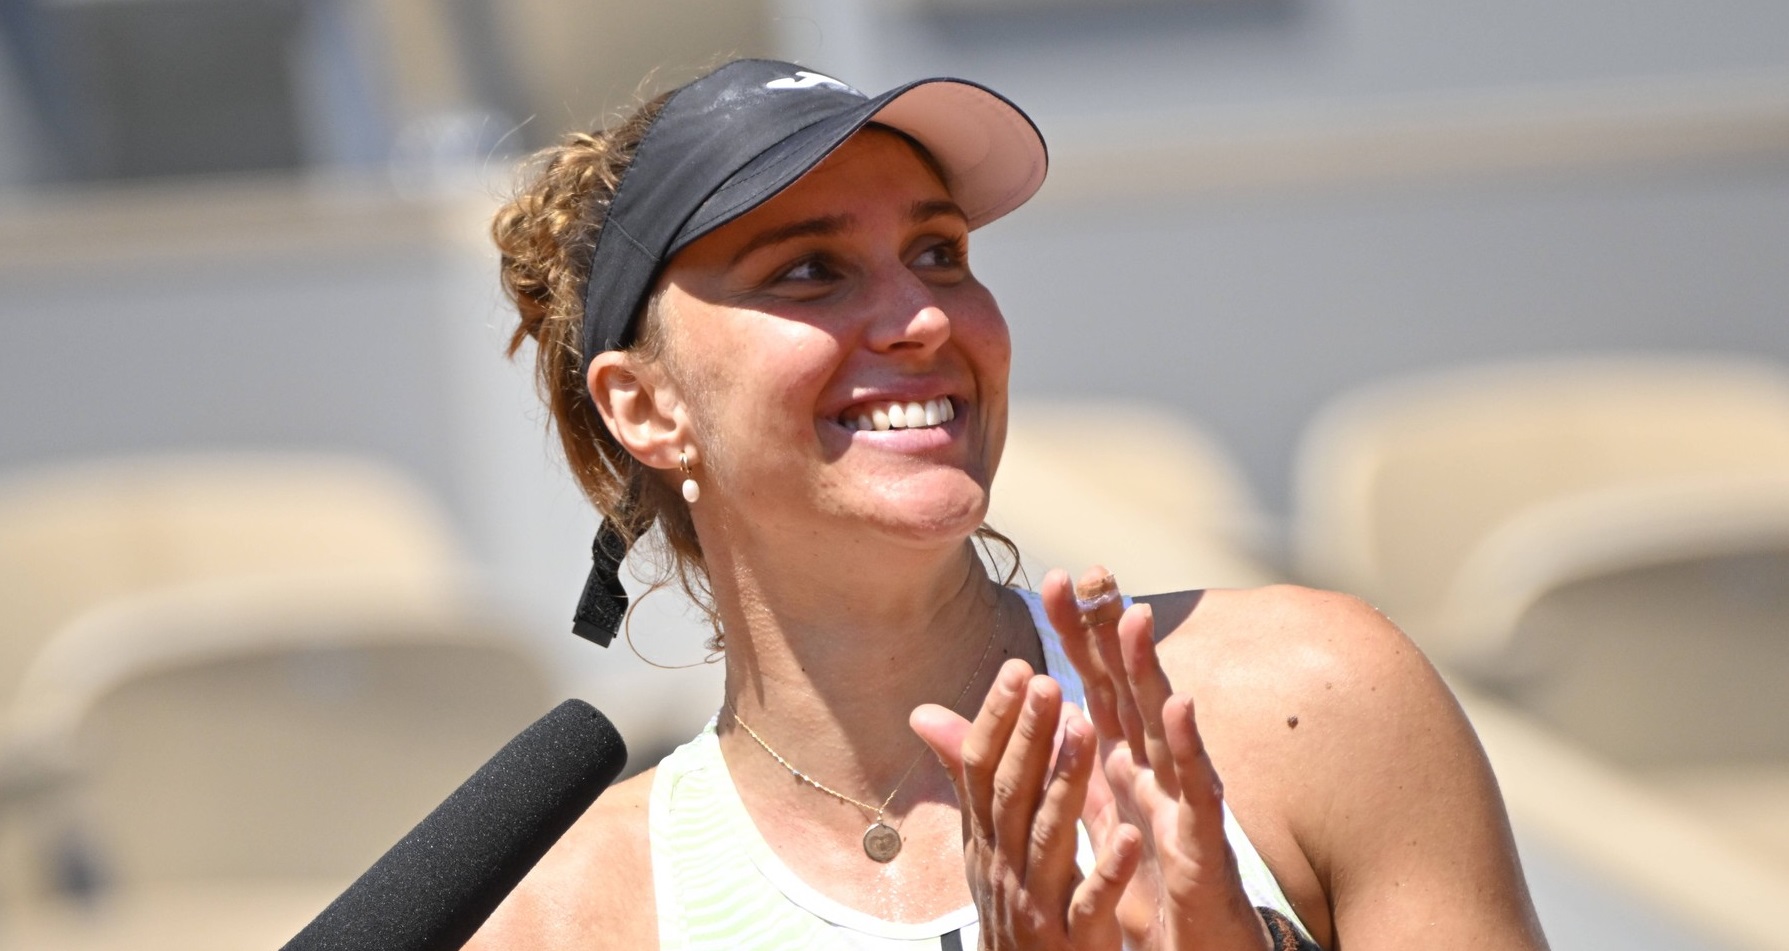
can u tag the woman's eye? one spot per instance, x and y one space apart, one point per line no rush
807 270
942 255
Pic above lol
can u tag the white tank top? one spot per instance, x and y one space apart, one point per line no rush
720 887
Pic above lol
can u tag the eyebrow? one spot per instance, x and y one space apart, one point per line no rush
935 208
921 211
809 228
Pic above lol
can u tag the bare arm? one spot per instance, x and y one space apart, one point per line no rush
1341 752
1405 830
593 889
1352 768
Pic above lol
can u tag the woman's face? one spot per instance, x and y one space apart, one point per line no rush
795 331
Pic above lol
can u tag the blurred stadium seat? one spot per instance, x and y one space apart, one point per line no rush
76 535
235 745
1397 483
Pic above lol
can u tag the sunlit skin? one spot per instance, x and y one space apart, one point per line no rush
852 287
841 570
836 554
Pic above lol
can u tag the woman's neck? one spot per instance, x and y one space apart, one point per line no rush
826 657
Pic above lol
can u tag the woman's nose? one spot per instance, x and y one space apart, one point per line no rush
909 320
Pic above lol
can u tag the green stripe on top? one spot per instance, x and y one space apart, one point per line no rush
720 886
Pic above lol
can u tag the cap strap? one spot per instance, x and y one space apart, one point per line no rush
604 601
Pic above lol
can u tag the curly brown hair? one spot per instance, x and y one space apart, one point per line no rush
546 236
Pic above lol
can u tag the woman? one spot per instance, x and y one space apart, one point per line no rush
758 332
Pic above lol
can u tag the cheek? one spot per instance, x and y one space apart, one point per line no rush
763 375
982 334
788 364
981 330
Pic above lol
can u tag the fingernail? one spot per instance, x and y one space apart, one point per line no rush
1068 756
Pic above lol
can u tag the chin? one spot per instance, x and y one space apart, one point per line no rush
944 521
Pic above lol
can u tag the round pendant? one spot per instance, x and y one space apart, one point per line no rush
881 843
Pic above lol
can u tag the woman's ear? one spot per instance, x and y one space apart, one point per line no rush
641 406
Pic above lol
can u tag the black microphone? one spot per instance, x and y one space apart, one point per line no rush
434 889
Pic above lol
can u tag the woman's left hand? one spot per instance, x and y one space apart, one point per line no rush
1188 894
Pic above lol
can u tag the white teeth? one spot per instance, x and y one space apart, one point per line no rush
910 415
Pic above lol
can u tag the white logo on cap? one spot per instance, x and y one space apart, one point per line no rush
806 80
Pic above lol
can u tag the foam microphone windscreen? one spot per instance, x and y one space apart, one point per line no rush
440 882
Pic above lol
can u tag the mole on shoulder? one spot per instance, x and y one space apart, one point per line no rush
1292 722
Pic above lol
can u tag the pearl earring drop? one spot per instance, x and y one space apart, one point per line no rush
691 491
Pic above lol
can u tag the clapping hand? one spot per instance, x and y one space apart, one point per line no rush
1157 778
1164 878
1019 810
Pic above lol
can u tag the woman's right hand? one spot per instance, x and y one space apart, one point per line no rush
1019 811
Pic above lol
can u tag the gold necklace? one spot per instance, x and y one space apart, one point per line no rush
881 841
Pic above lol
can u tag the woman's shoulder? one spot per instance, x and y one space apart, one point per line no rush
1286 643
1330 728
1320 682
592 889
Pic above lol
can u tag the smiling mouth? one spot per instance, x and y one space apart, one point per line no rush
895 414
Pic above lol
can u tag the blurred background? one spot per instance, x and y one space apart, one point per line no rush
1477 310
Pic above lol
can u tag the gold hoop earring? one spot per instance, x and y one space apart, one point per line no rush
691 491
